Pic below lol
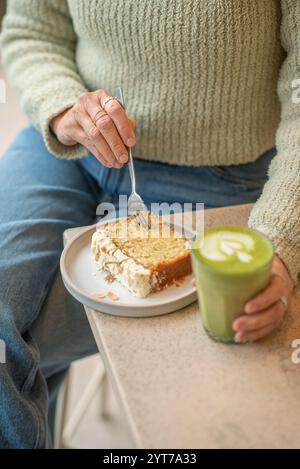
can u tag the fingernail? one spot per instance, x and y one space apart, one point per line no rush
123 158
239 339
130 142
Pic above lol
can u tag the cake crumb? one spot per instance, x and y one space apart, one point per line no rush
99 296
113 296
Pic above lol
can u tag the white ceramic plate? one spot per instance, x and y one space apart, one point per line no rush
83 280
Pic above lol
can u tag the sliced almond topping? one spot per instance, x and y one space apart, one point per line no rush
99 295
113 296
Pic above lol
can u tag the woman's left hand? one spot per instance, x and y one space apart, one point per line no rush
264 312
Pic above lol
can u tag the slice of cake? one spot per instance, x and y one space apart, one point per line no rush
144 260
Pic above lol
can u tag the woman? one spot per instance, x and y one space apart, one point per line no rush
200 78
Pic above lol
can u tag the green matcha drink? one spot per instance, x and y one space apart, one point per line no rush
231 265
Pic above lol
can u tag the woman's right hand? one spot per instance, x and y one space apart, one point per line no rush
105 133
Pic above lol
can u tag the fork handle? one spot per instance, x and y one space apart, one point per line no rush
120 98
131 170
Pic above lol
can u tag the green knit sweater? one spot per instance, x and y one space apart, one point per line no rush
200 77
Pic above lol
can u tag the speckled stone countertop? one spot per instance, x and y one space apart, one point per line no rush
180 389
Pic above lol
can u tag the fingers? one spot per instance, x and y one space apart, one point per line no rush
113 139
100 128
118 115
267 297
94 136
106 133
265 311
253 336
71 132
249 323
83 140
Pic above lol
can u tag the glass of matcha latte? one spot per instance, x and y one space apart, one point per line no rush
231 265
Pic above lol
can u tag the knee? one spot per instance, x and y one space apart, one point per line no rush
21 296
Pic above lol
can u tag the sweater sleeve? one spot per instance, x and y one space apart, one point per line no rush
277 212
38 45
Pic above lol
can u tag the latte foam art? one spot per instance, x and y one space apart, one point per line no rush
226 245
233 250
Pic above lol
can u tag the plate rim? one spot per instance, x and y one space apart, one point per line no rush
70 284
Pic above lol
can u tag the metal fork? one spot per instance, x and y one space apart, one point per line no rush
135 201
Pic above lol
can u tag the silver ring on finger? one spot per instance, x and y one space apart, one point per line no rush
107 99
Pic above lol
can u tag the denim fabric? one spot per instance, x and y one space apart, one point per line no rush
215 186
43 327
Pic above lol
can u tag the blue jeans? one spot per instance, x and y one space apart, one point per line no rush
43 327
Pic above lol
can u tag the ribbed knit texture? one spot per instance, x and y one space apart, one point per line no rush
200 77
